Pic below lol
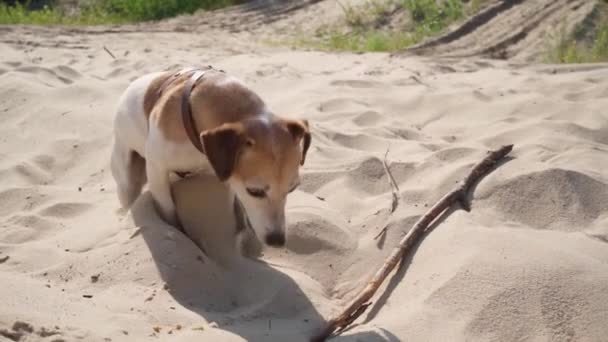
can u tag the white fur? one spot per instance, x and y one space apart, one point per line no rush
142 154
162 157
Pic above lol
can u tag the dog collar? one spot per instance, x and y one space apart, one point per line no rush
187 118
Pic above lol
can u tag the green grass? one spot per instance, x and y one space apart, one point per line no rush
369 15
370 41
477 5
106 11
366 31
140 10
588 43
432 16
20 14
572 51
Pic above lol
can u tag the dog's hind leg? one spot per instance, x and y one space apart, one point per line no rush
129 171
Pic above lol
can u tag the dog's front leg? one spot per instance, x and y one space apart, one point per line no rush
248 244
160 188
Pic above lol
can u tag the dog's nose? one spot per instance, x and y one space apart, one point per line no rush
275 239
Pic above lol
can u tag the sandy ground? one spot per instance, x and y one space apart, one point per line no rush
530 262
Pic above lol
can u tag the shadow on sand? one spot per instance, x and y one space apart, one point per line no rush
246 297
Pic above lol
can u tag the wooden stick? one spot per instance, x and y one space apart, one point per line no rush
361 301
394 190
109 52
393 183
381 232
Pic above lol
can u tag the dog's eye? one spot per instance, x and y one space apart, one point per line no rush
258 193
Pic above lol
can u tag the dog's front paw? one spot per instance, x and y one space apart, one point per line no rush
249 245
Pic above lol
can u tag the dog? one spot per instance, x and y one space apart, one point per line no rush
204 120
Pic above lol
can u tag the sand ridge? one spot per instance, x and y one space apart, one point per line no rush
509 30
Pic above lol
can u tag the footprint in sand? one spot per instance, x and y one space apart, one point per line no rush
363 142
116 73
32 174
356 83
20 199
48 75
370 177
437 147
44 168
315 234
586 95
13 64
67 72
368 118
453 154
21 228
481 96
342 104
313 181
405 133
45 162
66 210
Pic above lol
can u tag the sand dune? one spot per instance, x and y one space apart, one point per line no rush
528 263
509 29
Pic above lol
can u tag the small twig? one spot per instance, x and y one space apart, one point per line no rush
109 52
361 301
394 189
382 231
354 316
418 80
393 183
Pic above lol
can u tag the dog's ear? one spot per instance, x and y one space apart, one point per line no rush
300 131
222 146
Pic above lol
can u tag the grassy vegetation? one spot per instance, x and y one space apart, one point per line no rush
104 11
375 41
367 25
588 43
48 15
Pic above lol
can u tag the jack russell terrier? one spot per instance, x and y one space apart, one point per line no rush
203 120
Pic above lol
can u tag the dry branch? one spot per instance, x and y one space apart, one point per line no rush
393 183
361 301
394 190
109 52
382 231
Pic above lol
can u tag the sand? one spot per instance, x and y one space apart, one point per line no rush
528 263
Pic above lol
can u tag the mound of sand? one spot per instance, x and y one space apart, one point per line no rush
510 29
528 263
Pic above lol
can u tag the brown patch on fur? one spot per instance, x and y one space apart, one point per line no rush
167 113
214 102
151 96
254 148
300 132
274 155
217 99
222 146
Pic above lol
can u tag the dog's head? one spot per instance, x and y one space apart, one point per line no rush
260 160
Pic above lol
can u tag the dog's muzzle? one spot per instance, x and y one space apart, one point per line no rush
275 239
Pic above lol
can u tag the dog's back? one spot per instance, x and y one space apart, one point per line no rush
130 133
130 123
